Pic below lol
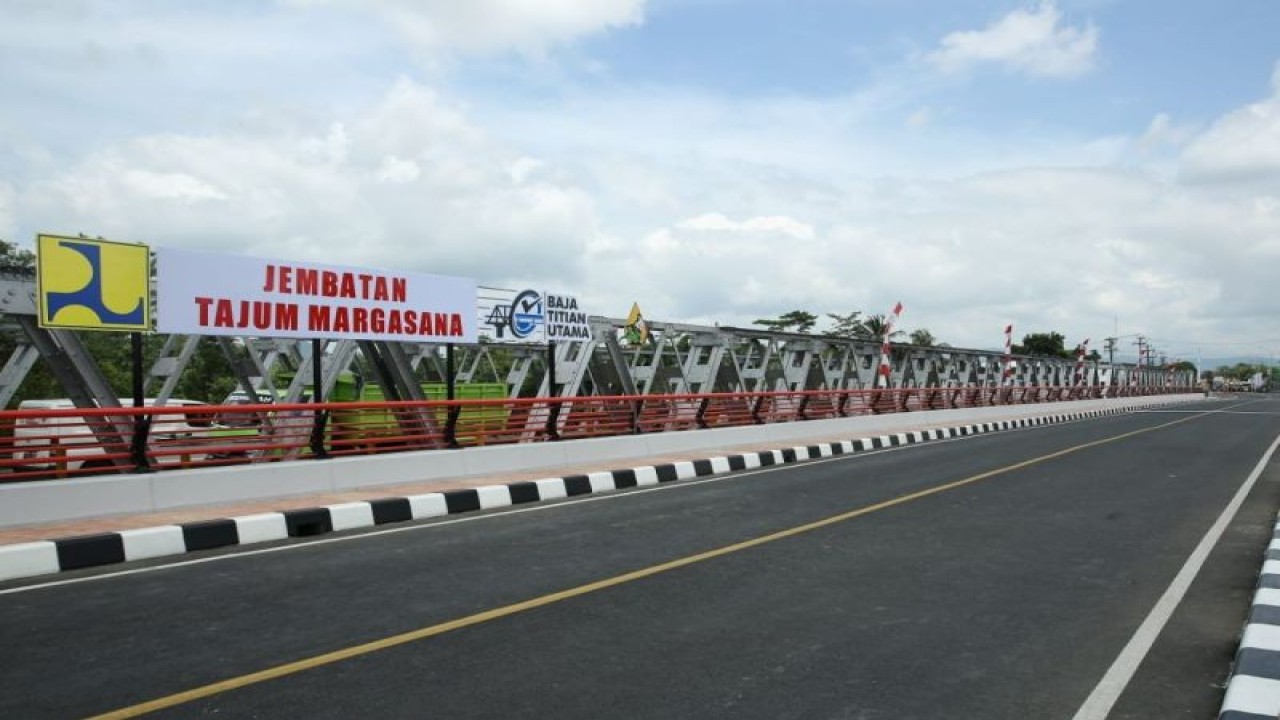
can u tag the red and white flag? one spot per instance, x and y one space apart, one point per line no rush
1081 349
1007 370
885 368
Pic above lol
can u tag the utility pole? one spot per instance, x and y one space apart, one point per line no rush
1141 342
1111 351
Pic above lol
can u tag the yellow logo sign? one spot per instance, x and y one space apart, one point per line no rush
87 284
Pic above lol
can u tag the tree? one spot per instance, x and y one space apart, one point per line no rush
922 337
847 326
876 325
15 260
208 377
1050 344
1239 371
798 321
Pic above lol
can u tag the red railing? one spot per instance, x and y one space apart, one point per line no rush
50 444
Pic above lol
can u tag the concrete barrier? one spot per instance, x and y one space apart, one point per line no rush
53 500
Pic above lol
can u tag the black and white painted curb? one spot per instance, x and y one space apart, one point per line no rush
1253 692
73 553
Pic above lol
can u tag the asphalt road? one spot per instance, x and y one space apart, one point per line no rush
998 576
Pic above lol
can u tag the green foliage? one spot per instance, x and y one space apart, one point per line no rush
1239 371
208 377
111 351
797 321
848 325
15 260
922 337
876 325
1050 344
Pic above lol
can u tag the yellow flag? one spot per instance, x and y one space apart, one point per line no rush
636 331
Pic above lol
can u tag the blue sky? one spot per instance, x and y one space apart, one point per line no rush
1091 167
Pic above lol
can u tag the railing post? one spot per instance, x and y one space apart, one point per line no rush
138 447
58 456
553 420
451 426
318 423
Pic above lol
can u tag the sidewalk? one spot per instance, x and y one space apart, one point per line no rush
51 547
117 523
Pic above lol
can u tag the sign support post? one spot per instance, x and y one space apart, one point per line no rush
135 350
141 423
553 414
450 394
321 419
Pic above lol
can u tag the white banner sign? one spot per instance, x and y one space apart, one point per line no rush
200 293
565 320
530 316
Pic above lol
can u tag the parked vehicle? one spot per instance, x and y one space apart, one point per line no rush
44 442
234 419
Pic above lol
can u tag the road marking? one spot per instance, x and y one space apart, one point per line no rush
235 552
1209 412
1117 677
392 641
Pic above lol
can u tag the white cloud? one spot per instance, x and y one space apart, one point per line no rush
1242 146
718 270
919 118
8 213
170 186
1029 41
700 207
410 184
706 227
1163 132
495 25
1052 231
396 171
766 224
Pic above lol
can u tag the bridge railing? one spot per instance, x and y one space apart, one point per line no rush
64 443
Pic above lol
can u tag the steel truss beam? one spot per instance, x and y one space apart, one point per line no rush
679 358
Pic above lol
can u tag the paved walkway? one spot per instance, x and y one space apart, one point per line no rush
910 422
116 523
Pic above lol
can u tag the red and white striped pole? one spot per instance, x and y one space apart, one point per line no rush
1006 370
885 367
1081 349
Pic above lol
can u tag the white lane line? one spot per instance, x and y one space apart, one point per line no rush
1108 690
235 552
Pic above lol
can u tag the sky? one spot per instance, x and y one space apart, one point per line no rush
1098 168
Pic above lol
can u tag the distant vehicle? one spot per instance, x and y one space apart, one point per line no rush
39 442
248 419
240 397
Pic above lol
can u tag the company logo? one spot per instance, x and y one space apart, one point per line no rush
524 316
527 313
93 284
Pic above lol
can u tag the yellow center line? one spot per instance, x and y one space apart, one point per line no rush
329 658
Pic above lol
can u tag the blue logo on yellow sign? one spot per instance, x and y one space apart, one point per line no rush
93 284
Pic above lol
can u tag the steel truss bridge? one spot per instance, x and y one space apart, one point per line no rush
685 377
678 359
